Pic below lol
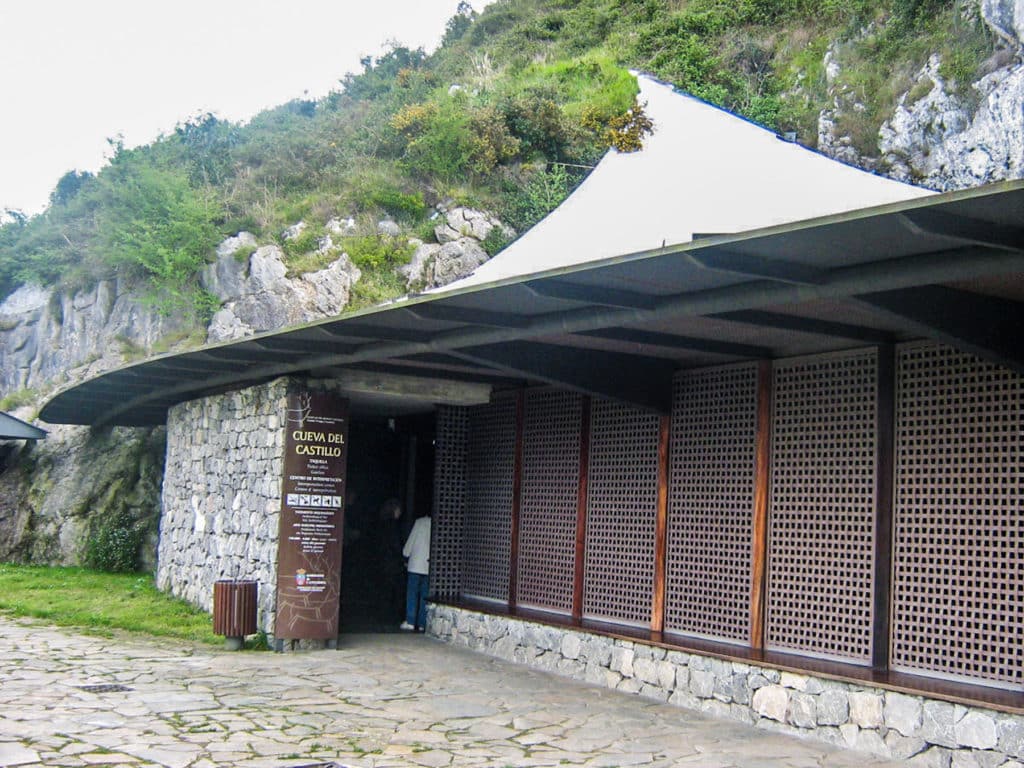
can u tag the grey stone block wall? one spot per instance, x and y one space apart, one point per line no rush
222 495
925 732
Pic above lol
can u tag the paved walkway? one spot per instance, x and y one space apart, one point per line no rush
380 700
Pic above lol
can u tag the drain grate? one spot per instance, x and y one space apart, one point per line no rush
104 688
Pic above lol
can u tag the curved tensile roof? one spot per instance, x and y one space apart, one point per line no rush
703 171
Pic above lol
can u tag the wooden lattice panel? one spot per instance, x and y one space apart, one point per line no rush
822 503
711 503
547 514
451 441
621 513
958 587
487 545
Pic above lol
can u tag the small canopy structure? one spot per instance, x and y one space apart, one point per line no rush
703 171
16 429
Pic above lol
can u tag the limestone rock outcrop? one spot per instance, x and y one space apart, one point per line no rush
434 265
946 135
56 494
461 223
45 334
1005 18
457 252
939 143
258 295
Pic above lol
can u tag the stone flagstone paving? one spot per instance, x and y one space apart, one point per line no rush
384 700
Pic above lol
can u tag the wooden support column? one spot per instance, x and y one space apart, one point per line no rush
885 460
517 494
581 512
762 483
661 530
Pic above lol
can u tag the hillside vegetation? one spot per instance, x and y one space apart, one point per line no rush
508 114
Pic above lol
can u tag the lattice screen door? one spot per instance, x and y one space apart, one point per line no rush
451 443
488 518
547 517
822 506
622 507
711 503
958 586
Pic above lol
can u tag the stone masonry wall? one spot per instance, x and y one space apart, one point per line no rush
222 495
925 732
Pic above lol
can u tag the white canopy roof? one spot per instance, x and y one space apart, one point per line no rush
703 171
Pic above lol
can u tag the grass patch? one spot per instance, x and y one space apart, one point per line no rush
130 349
376 287
310 262
304 243
180 341
18 399
100 602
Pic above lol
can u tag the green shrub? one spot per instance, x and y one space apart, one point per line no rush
208 142
17 399
496 240
305 242
424 230
205 305
244 252
624 132
310 262
492 144
538 123
400 204
377 252
376 287
495 22
596 82
530 202
438 139
114 543
966 45
673 50
156 226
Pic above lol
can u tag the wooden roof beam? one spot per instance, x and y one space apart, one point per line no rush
468 315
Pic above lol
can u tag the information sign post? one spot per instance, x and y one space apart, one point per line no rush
312 517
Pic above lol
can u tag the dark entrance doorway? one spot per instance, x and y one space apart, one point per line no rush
390 465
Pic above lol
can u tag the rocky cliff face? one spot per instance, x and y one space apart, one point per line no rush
48 338
66 491
945 136
77 486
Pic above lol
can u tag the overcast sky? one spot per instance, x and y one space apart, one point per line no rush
76 72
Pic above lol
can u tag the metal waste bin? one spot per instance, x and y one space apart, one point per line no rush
234 611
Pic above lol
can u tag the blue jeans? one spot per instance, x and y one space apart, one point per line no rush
416 599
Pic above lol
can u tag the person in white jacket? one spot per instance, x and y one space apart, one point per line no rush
417 549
